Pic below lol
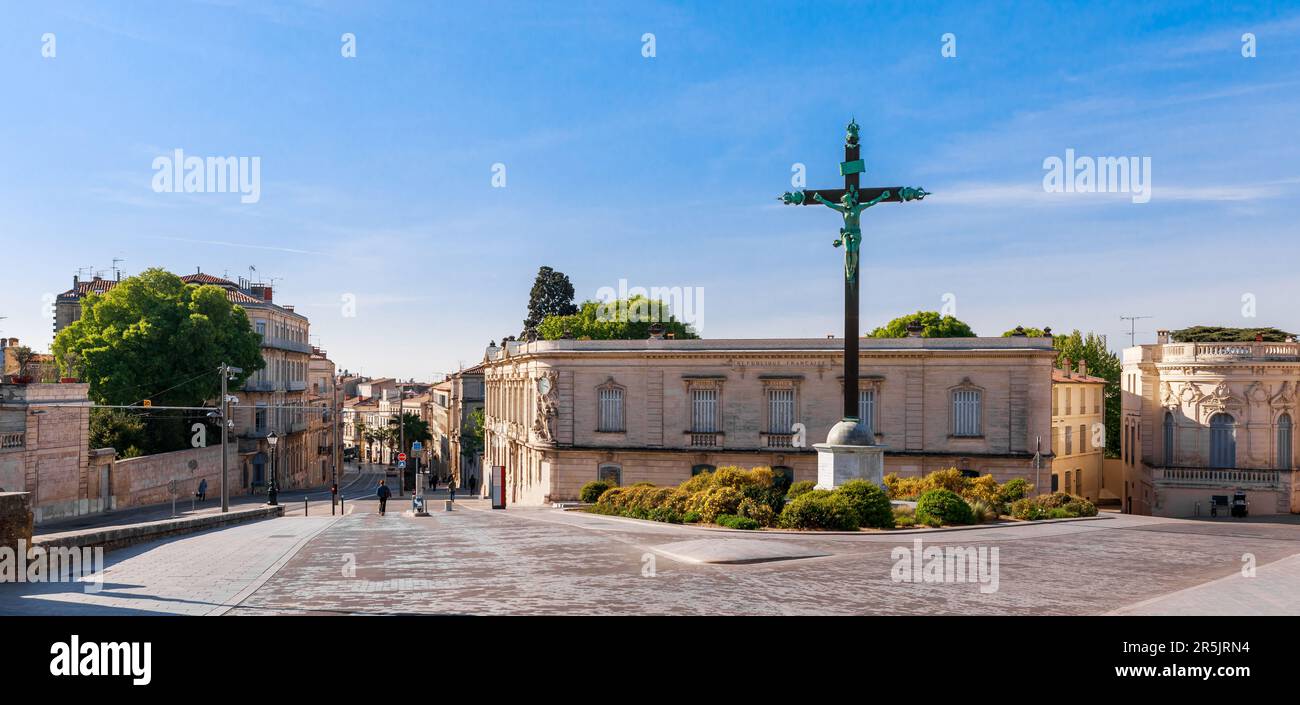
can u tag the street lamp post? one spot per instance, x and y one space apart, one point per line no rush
227 373
271 491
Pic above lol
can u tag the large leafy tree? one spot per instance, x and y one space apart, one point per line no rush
933 325
472 438
1216 334
552 295
621 319
155 337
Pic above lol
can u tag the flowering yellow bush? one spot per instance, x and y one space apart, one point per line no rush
984 489
715 501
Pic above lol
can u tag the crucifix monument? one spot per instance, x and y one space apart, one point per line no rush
850 451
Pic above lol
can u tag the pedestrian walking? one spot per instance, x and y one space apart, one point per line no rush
383 493
202 494
434 479
451 488
473 484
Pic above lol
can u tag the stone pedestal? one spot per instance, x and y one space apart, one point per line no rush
837 464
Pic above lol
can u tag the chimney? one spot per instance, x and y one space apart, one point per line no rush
1162 337
76 280
266 294
1083 368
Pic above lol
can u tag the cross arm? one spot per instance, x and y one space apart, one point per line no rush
897 194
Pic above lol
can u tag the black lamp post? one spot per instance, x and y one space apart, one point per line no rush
271 492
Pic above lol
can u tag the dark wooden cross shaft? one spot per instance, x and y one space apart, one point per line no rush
850 195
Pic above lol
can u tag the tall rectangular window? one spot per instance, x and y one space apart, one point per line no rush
966 412
704 410
611 409
1069 442
867 408
780 410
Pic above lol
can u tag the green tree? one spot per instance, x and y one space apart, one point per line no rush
1029 332
472 439
117 429
552 295
621 319
932 326
1216 334
155 337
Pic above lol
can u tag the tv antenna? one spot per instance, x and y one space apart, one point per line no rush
117 271
1132 327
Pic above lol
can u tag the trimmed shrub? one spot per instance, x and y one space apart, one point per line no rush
1080 507
732 521
1014 490
592 491
665 514
904 521
697 483
820 509
799 488
945 506
1058 505
691 518
715 501
984 489
758 511
950 479
870 502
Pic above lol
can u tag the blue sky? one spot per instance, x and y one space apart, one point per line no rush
376 171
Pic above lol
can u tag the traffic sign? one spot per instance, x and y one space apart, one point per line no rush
416 447
401 457
401 465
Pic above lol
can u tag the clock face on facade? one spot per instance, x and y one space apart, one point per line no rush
543 385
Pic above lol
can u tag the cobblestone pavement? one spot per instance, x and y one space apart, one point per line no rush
542 561
196 574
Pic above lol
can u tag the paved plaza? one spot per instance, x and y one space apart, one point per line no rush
475 560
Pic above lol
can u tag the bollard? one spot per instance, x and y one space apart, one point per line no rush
304 507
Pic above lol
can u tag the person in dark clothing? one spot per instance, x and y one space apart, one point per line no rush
433 479
202 494
451 488
473 484
383 493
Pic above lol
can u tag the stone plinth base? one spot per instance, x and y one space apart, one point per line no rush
837 464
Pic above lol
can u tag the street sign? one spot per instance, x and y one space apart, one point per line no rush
416 447
401 457
401 465
147 403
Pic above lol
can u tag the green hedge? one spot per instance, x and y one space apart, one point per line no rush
821 509
592 491
942 506
870 502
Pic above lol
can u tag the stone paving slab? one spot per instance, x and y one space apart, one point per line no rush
197 574
1274 590
734 551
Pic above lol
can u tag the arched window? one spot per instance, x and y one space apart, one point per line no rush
1284 441
703 467
1223 441
1169 438
610 473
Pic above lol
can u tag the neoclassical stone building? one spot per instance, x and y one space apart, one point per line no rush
1208 419
561 413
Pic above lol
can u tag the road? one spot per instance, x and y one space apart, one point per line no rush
475 560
